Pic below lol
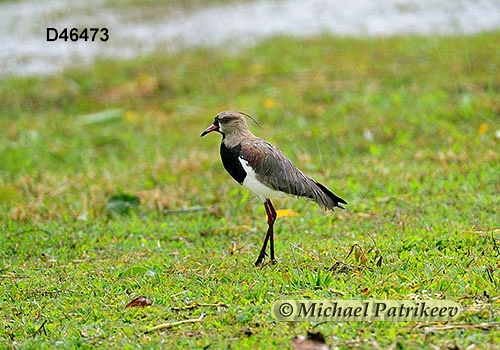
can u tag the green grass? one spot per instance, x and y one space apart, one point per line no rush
403 128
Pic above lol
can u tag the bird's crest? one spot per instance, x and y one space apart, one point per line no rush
253 119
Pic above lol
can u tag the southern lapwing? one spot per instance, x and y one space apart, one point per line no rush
264 170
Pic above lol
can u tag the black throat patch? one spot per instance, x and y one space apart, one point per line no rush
230 160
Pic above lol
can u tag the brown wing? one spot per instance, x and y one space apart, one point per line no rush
275 170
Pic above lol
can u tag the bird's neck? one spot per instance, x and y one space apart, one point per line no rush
236 137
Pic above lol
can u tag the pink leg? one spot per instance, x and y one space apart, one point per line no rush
271 218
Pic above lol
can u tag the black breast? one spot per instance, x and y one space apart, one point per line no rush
231 162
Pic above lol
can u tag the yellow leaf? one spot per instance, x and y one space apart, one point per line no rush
146 84
285 212
483 129
145 80
130 116
269 103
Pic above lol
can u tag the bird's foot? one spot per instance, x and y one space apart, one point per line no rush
260 261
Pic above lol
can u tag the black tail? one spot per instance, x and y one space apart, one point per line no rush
333 200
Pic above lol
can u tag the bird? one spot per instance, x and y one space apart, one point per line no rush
265 170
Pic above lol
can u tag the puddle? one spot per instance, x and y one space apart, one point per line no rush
24 49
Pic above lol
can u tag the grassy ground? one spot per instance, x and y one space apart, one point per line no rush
405 129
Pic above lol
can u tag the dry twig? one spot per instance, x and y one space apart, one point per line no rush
174 324
483 326
195 305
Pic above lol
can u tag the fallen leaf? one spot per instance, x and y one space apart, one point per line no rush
131 116
483 129
269 103
141 301
285 212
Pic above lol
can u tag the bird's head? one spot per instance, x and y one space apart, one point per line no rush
228 123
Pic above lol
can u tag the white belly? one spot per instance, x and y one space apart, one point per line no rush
261 190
